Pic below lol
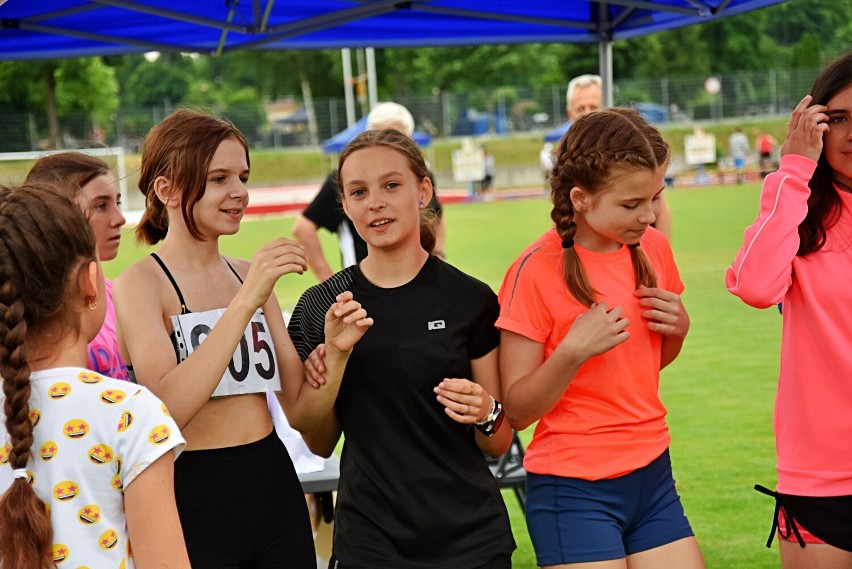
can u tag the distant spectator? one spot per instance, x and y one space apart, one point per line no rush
765 146
737 148
584 96
487 183
546 159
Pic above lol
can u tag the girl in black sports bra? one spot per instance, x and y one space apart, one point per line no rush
206 334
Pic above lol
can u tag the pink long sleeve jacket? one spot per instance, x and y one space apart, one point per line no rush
813 407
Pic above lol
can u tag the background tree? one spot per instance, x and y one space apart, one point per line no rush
62 88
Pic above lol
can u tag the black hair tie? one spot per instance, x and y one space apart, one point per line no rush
633 245
567 243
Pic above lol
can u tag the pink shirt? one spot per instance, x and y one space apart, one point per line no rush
104 356
813 406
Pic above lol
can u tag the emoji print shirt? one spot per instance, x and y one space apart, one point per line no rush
93 436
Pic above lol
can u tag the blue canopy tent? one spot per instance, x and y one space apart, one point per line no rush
77 28
337 142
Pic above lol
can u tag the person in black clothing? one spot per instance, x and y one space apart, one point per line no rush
415 490
326 212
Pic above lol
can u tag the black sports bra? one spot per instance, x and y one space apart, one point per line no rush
183 308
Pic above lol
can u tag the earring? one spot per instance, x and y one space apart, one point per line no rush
422 204
93 304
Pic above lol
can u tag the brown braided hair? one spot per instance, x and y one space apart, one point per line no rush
595 145
44 242
403 144
824 205
180 148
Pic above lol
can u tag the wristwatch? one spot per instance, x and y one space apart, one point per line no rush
491 423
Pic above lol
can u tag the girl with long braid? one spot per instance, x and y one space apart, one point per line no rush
87 461
590 313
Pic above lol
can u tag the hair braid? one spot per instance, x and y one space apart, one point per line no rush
44 242
642 268
578 282
25 530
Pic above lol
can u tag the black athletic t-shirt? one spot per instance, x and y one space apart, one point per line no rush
415 490
325 211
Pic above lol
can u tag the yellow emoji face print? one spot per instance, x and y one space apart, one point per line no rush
59 390
35 417
108 539
159 434
65 491
125 421
89 515
4 454
100 454
59 553
75 429
48 450
113 396
89 377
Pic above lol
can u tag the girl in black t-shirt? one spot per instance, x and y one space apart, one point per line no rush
410 385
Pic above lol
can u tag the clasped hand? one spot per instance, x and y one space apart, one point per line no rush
463 400
666 313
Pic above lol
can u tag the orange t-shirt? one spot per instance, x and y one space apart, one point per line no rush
610 420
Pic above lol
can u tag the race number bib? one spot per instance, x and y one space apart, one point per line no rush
252 368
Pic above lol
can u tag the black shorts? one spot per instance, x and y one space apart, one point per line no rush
828 518
243 507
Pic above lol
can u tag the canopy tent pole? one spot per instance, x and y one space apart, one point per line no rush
605 54
348 87
372 78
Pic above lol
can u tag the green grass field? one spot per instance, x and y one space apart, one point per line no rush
719 392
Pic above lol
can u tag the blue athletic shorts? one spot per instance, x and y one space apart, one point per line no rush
572 520
739 163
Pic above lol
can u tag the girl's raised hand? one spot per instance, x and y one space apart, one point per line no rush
666 313
345 323
805 129
463 400
271 262
596 331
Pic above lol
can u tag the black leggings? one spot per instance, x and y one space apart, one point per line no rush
243 508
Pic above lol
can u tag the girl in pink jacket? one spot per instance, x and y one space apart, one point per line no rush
799 252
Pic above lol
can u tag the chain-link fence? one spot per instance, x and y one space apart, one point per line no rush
444 114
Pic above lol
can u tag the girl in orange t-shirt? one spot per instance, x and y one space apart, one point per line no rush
590 313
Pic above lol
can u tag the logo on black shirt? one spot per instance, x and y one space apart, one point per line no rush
437 325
